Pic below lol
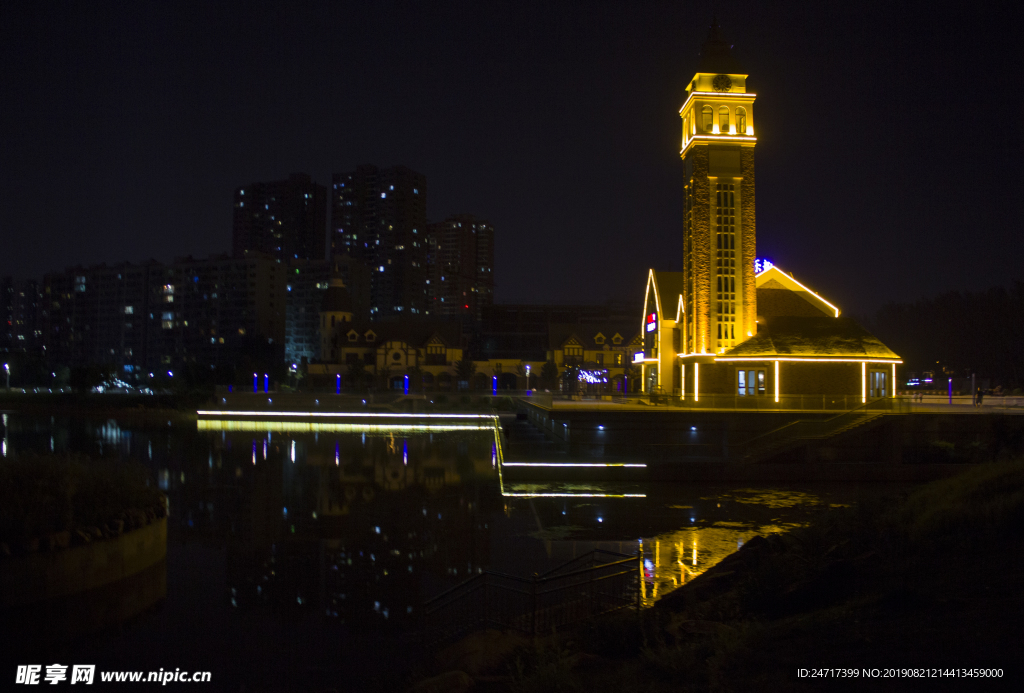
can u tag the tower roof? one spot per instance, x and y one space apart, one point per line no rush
336 298
716 54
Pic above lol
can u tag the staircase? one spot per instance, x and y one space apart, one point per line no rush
797 433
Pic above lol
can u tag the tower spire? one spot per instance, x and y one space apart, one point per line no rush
716 53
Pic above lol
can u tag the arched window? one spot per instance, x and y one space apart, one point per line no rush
707 119
723 119
741 121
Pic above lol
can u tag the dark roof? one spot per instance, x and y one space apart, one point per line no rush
336 298
559 334
716 54
670 287
413 331
812 336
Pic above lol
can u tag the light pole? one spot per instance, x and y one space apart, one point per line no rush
7 370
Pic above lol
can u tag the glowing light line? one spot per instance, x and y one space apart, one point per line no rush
342 414
739 95
574 495
770 357
574 464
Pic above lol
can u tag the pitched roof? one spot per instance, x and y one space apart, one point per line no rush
669 287
812 336
716 54
560 333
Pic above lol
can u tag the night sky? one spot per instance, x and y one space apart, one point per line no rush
888 160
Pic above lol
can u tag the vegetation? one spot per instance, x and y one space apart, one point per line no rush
58 498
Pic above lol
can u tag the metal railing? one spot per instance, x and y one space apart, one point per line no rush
596 583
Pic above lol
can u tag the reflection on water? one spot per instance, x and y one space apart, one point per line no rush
351 527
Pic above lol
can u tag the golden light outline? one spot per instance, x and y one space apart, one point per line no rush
802 286
808 358
313 427
717 95
341 414
573 495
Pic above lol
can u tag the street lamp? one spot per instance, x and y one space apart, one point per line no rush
7 370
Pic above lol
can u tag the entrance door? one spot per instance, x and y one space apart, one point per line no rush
877 384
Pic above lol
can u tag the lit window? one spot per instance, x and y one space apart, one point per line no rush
741 121
707 118
723 119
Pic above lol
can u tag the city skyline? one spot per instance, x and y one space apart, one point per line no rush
560 128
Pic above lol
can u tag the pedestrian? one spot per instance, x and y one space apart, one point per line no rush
980 396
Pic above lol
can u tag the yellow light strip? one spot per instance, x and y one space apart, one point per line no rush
802 286
739 95
771 357
696 353
696 382
574 495
311 427
892 389
574 464
777 381
863 382
341 414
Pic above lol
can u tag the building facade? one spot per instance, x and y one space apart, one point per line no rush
730 326
379 218
285 219
719 240
461 260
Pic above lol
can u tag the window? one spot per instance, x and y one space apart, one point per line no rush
723 119
707 119
741 121
750 382
725 262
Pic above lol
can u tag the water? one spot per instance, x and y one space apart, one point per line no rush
291 551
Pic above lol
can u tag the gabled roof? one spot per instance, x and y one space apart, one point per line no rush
791 296
668 290
560 334
414 332
788 336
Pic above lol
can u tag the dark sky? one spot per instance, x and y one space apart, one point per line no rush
888 161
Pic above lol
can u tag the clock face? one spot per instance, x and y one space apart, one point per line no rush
722 83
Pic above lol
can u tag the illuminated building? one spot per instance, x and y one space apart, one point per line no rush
461 259
730 324
379 218
286 219
718 203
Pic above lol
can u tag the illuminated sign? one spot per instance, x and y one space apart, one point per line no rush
652 322
762 265
638 357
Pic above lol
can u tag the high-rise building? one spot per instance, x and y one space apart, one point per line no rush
155 317
719 240
285 219
21 327
307 282
461 257
379 217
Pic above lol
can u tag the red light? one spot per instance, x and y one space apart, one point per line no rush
652 317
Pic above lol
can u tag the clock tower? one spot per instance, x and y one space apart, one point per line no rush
719 296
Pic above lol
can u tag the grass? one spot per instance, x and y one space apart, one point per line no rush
43 495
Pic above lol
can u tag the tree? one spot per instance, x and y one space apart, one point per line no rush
549 375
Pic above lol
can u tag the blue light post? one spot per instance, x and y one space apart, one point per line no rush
266 383
255 383
406 389
337 384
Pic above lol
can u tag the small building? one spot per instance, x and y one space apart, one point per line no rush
802 347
